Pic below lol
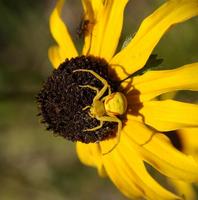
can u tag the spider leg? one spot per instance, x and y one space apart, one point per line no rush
95 128
105 83
86 107
90 87
93 88
112 119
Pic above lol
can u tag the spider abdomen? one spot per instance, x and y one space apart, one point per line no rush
115 104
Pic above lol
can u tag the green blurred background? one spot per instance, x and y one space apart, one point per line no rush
33 163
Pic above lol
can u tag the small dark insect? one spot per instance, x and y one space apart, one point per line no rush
83 28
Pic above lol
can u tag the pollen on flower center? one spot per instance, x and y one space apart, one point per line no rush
62 99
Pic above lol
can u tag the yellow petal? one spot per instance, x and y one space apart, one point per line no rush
185 190
123 180
189 139
60 33
90 154
170 115
91 9
156 149
54 56
126 169
154 83
134 56
107 29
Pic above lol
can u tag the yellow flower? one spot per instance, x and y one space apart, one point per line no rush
140 140
188 139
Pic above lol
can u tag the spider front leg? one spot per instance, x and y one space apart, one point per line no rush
90 87
95 128
105 83
118 134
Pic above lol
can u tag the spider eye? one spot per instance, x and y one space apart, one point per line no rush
116 104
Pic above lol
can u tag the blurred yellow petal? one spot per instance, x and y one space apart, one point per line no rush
189 138
107 30
126 169
90 154
134 56
156 149
123 180
154 83
54 56
170 115
91 9
60 33
185 190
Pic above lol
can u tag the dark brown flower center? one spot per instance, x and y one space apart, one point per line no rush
61 100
